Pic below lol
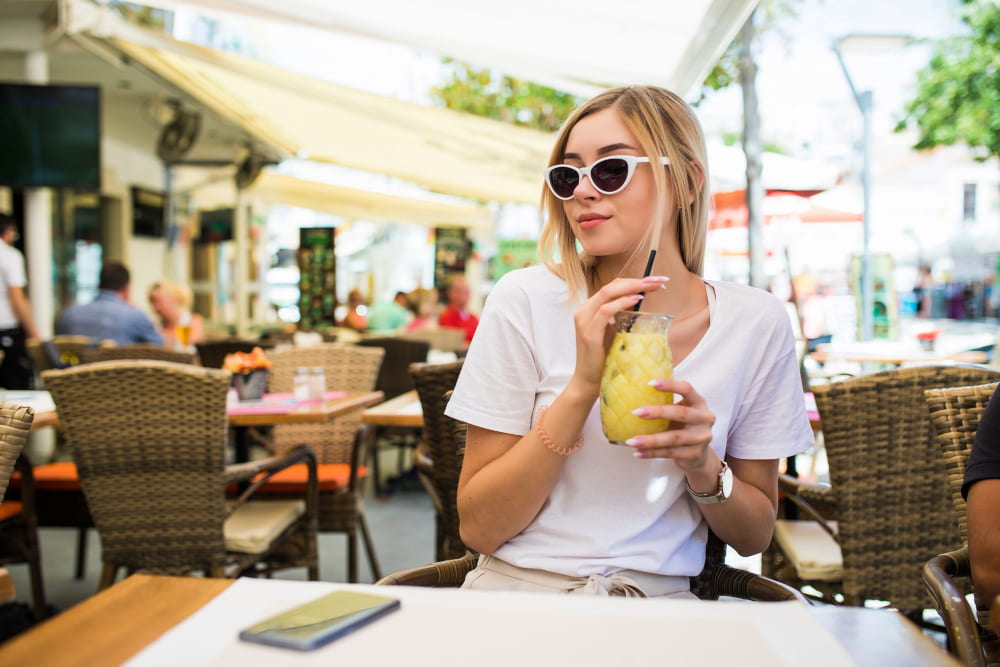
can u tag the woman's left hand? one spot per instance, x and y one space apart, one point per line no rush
686 440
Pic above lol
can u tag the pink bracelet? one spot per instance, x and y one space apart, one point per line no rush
562 451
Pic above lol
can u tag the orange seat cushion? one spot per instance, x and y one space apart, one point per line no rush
10 508
330 477
58 476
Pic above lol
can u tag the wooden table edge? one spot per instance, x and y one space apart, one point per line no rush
345 404
144 607
386 413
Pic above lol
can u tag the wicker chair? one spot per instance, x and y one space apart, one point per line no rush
716 580
956 413
888 495
341 446
58 352
149 439
18 527
438 459
136 351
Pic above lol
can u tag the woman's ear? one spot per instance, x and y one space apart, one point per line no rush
698 175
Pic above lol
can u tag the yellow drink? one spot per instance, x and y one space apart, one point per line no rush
183 333
639 353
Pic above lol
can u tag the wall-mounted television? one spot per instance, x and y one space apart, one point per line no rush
148 212
216 226
50 136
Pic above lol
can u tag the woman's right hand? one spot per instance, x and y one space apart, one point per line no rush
594 322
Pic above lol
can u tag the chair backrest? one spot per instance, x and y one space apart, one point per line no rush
347 367
434 383
443 339
136 351
893 506
955 413
15 423
58 352
149 441
212 353
394 376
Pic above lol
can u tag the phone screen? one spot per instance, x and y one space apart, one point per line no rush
320 621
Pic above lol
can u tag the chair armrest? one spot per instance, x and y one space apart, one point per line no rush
264 469
738 583
442 574
963 631
816 501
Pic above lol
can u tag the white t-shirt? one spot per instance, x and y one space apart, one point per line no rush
11 275
610 511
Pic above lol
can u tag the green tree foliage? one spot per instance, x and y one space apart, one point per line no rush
504 98
958 91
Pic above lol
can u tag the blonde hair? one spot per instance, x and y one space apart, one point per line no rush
181 293
664 125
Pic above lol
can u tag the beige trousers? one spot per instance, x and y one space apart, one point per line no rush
494 574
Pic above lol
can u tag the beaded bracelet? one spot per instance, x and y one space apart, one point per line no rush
562 451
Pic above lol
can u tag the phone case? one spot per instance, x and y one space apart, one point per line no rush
320 621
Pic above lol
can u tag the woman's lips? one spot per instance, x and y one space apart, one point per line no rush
590 221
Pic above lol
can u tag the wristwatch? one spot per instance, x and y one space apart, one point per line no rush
720 496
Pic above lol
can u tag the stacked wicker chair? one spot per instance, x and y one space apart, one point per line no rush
888 493
341 446
136 351
18 529
438 459
956 413
149 440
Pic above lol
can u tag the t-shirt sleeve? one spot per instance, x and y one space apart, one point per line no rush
772 421
496 388
13 270
984 460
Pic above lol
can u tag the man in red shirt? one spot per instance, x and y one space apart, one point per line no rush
456 315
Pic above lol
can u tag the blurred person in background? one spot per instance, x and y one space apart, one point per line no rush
110 316
179 327
456 313
356 310
923 291
16 321
423 303
389 316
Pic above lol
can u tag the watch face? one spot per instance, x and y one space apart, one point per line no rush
727 482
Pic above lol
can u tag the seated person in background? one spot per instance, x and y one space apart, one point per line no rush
355 318
981 489
179 326
110 316
423 303
389 317
456 313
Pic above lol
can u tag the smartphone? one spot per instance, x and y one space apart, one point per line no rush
319 622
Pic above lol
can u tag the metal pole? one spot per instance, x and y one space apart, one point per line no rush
864 102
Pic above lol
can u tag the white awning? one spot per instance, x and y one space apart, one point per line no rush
579 47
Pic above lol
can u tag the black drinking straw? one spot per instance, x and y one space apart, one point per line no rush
645 274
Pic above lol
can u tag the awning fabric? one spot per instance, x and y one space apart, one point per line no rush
445 151
729 209
364 204
579 47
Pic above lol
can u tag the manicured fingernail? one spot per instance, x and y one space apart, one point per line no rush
656 383
640 454
641 412
656 279
633 442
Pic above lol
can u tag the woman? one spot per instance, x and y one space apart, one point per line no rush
180 328
545 498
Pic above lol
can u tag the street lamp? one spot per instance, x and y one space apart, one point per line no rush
866 42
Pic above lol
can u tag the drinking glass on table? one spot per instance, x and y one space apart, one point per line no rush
639 353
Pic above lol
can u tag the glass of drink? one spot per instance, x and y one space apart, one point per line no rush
639 353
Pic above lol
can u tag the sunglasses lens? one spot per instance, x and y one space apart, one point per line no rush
610 175
563 181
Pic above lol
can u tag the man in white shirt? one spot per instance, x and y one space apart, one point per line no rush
16 321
